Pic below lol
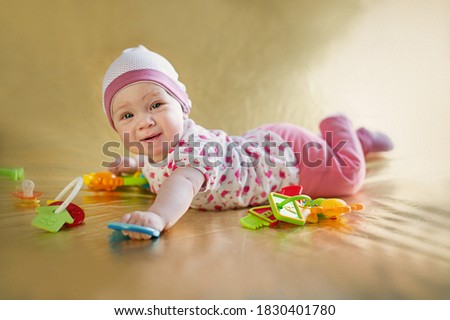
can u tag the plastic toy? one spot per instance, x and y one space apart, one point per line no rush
293 207
133 228
51 219
263 216
27 193
333 208
290 209
291 191
75 212
15 174
253 222
306 210
107 181
259 217
265 213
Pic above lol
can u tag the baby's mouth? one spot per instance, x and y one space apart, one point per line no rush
151 138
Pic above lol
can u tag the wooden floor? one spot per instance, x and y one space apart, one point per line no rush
238 77
397 248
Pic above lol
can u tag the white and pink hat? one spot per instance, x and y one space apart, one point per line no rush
140 64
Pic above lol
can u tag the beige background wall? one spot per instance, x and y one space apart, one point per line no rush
244 63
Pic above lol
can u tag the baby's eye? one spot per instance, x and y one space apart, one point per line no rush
155 106
127 116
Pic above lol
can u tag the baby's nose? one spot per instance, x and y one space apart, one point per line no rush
146 121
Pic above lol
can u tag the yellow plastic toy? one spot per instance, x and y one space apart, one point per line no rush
107 181
309 211
334 208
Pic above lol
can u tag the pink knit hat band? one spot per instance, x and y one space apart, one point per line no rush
150 75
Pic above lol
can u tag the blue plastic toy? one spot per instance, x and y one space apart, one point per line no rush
119 226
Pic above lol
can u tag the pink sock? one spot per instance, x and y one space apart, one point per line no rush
374 141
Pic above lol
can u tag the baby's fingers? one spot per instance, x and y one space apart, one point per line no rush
139 236
126 219
135 218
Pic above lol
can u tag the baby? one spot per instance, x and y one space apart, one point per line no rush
190 166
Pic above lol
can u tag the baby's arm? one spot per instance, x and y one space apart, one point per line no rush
172 202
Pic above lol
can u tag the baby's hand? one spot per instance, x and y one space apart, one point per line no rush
124 165
145 219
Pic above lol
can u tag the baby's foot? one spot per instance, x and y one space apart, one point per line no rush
374 141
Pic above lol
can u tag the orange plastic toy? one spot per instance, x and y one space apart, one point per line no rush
107 181
333 208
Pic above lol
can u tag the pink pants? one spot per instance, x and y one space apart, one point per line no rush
332 164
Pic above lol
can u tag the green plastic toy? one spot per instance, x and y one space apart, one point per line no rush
287 208
259 217
251 221
48 220
15 174
53 219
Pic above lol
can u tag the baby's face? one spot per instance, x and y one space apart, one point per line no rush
148 119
